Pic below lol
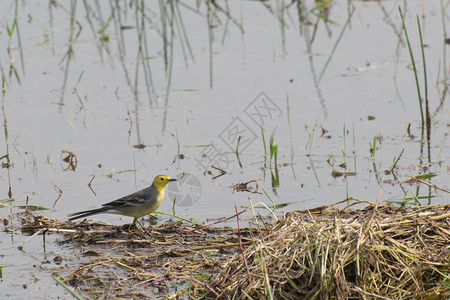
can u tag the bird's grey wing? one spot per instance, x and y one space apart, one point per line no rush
136 199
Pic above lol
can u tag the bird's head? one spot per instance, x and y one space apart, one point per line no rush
161 181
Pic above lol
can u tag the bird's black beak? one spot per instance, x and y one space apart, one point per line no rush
172 179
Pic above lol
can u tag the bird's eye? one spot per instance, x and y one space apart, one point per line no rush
162 179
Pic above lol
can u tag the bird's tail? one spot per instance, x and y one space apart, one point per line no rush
86 213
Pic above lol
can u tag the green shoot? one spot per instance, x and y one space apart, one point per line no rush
10 30
67 288
184 219
413 65
424 176
267 195
274 155
273 148
33 207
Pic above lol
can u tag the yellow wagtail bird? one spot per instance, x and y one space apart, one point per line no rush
136 205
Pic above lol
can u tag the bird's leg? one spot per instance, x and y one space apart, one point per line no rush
144 231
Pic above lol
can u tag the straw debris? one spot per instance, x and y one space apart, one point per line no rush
380 252
384 253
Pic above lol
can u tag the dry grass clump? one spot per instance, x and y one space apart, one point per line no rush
379 252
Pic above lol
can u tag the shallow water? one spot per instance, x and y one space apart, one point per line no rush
109 97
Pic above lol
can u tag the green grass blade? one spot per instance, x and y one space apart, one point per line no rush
413 65
67 288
